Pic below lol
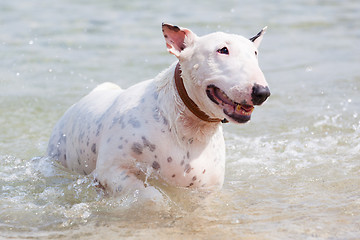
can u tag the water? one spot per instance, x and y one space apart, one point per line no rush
293 172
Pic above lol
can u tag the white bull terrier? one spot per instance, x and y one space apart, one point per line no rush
171 125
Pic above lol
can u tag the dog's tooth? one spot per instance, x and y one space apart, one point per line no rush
238 107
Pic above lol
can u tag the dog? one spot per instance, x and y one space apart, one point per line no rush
169 127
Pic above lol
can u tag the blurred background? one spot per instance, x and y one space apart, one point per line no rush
293 172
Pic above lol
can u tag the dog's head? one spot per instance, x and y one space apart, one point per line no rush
220 71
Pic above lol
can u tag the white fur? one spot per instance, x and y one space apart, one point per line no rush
122 136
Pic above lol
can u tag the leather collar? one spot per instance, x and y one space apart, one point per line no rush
189 103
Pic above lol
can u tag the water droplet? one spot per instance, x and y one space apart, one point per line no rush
50 70
86 214
31 42
349 100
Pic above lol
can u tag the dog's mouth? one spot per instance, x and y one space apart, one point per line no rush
241 113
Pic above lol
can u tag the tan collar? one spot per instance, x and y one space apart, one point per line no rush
187 100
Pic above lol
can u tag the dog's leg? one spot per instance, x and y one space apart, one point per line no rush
120 181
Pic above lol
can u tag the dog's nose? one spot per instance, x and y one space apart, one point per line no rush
259 94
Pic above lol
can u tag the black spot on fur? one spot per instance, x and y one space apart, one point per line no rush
93 148
121 122
188 168
118 120
156 165
134 122
148 144
98 129
158 115
165 121
137 148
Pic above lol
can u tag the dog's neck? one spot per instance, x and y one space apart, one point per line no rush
189 103
182 120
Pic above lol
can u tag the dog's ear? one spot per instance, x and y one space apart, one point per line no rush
258 37
177 39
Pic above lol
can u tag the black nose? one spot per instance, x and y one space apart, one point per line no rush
259 94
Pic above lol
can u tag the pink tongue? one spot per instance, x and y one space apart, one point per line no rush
247 108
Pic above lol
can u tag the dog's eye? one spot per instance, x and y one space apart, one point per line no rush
223 50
